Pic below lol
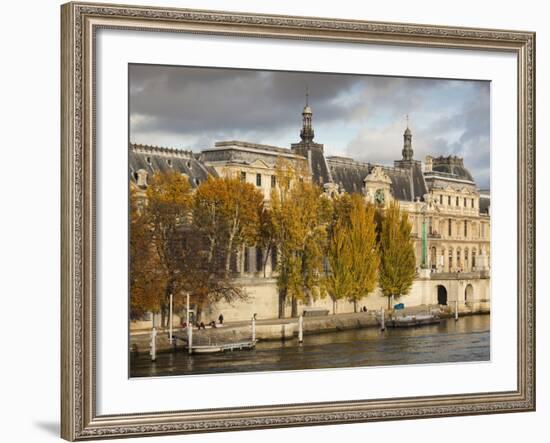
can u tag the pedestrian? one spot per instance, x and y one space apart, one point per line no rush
220 319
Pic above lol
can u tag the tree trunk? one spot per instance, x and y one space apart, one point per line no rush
163 321
282 302
198 315
355 305
228 256
211 250
294 312
389 302
334 302
264 261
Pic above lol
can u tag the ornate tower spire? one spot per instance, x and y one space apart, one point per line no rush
307 133
407 151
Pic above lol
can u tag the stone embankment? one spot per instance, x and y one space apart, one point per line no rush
279 329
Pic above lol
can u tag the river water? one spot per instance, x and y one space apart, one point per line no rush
465 340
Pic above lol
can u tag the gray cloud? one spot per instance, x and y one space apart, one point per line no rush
359 116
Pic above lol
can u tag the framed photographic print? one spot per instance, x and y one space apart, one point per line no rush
283 221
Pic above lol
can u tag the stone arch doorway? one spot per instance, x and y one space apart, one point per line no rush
441 295
469 293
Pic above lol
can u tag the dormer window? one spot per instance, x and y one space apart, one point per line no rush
169 161
148 159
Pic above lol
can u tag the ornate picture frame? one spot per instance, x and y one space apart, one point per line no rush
80 22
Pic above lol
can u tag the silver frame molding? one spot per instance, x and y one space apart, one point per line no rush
79 22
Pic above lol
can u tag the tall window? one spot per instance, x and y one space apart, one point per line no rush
440 199
243 176
457 203
450 259
482 230
430 226
472 202
246 264
449 200
259 180
465 204
274 258
465 228
259 259
450 228
273 181
458 262
473 258
466 259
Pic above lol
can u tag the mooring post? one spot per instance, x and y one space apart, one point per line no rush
301 329
456 310
170 319
153 351
189 329
382 320
253 328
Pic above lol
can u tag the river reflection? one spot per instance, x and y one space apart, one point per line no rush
467 339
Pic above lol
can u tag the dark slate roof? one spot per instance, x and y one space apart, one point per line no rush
153 159
348 173
458 171
484 203
318 166
452 165
402 187
419 184
407 183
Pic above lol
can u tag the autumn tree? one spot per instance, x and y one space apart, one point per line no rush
267 240
228 211
363 249
352 252
339 280
157 230
226 216
397 258
146 275
300 215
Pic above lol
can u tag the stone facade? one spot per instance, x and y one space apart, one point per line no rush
450 216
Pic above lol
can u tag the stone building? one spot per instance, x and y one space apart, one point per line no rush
450 216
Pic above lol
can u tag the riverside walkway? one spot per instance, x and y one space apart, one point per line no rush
277 329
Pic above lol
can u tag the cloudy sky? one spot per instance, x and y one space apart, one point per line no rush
353 115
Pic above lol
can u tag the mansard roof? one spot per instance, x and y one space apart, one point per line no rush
452 167
153 159
407 184
348 173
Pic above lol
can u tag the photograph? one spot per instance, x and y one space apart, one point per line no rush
287 220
